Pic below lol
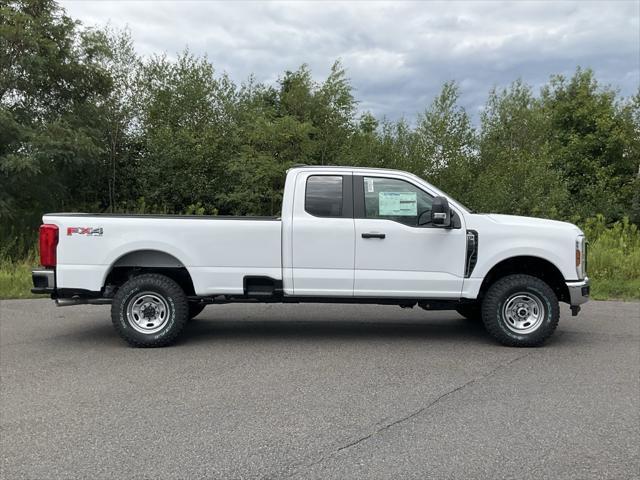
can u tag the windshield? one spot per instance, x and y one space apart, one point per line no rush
441 193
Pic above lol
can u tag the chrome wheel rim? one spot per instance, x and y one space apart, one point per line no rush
523 312
147 312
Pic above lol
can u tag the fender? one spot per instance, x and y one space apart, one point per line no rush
118 254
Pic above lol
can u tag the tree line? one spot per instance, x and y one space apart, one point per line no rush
88 125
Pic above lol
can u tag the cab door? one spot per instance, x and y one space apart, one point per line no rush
323 233
394 255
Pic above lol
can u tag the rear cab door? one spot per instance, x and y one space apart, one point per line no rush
322 233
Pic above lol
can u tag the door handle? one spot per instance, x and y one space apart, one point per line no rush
373 235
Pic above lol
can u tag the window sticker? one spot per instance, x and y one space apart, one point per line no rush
369 184
398 204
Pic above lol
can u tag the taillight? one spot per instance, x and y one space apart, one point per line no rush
48 244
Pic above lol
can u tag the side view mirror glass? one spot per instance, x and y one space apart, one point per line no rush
440 212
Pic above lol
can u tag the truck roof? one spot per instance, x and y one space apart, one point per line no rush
345 167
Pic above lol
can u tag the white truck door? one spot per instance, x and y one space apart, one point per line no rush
395 256
323 234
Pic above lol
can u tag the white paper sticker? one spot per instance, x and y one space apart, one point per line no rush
369 184
398 204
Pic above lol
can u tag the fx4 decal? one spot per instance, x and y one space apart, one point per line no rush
89 231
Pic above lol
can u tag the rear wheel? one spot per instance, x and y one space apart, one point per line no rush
149 310
520 311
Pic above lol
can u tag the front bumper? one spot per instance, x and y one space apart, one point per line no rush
44 281
579 292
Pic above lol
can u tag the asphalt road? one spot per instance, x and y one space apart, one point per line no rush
317 391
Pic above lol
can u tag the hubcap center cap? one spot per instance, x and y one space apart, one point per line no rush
149 311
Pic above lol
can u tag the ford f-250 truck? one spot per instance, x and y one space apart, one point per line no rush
355 235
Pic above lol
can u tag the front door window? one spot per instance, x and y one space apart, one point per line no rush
393 199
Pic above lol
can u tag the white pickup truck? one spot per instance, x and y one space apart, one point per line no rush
345 234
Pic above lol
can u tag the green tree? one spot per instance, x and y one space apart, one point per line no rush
334 116
295 96
186 129
515 173
589 139
631 115
51 84
119 113
271 138
270 146
398 147
446 144
364 142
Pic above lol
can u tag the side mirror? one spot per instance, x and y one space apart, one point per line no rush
440 212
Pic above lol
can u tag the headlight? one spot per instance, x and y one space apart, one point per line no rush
581 257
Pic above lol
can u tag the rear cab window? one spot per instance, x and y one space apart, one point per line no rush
324 196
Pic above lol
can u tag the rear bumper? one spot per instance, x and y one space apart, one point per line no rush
44 281
579 292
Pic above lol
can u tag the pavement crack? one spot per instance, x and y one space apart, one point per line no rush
431 404
415 413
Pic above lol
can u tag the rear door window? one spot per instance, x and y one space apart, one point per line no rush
323 196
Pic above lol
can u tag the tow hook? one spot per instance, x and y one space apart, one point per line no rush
575 310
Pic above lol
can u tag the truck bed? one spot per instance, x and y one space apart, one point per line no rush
158 215
218 251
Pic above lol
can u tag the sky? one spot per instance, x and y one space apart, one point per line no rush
396 54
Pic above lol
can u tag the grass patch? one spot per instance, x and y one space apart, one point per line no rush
614 259
15 279
615 290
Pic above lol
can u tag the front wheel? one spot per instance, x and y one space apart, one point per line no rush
520 311
149 310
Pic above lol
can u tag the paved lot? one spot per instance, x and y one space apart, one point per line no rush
318 391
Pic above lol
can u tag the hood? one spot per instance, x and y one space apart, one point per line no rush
517 221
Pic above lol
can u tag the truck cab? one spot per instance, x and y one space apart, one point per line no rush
370 233
345 234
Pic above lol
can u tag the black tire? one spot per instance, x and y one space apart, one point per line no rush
506 300
470 311
195 309
164 298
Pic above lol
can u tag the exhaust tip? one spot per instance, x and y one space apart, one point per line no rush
67 302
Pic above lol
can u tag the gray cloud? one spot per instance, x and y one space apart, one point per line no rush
396 54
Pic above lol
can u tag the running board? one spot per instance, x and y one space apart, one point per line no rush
68 302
